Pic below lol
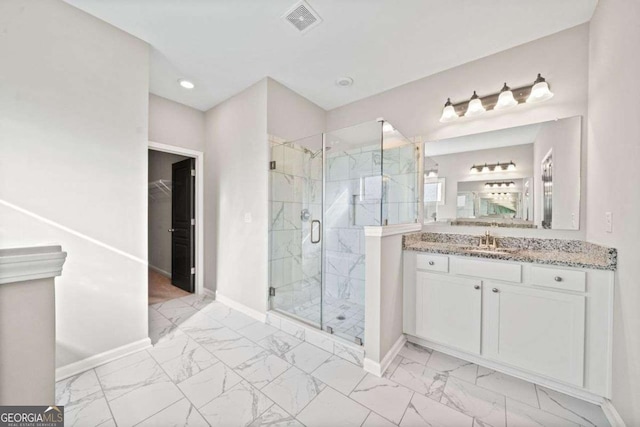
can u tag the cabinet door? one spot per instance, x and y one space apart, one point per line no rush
448 310
538 330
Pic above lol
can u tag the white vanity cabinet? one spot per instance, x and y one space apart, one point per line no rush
549 324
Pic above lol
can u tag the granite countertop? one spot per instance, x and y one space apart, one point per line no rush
569 253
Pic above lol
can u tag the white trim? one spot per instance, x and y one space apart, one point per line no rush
378 369
22 264
518 373
101 358
160 271
613 416
209 293
391 230
199 156
261 317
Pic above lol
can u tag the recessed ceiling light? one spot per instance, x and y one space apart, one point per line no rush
186 84
344 81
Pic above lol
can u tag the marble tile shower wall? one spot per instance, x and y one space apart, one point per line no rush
400 197
296 184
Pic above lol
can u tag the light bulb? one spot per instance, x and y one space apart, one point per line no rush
475 107
485 169
540 91
448 113
473 169
511 167
505 99
487 185
386 127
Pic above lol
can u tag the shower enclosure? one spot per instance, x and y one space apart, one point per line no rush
324 190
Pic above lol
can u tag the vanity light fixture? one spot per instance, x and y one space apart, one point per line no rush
432 173
507 98
500 184
387 127
448 113
493 167
540 91
475 107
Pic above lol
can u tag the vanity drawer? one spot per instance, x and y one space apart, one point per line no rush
432 262
570 280
505 271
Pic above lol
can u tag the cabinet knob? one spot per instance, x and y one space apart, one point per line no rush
558 279
495 290
476 287
431 262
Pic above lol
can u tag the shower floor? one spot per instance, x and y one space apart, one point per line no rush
344 317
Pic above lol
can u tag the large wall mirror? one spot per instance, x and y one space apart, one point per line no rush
525 177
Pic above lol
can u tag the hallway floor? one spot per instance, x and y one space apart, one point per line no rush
212 365
161 289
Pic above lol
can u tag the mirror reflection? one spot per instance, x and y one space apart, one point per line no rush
524 177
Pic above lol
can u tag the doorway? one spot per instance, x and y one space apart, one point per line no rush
173 217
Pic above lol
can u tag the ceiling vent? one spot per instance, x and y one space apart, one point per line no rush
302 17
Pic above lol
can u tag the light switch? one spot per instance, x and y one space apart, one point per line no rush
247 217
608 222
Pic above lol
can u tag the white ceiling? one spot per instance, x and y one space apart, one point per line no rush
226 45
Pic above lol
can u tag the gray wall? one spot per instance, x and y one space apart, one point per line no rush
73 170
614 153
175 124
160 167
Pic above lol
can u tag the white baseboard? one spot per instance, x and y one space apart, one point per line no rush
208 292
101 358
378 369
612 414
261 317
160 271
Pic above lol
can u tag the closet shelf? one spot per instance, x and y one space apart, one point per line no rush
160 188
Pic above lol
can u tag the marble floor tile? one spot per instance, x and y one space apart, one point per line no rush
570 408
121 363
420 378
279 343
239 406
178 315
262 368
415 352
453 366
331 408
236 352
477 402
391 369
144 401
181 413
293 390
232 319
186 365
131 378
306 357
214 339
199 324
382 396
522 415
77 387
90 410
198 301
276 417
353 355
158 332
257 331
108 423
375 420
168 349
339 374
209 384
173 303
423 411
512 387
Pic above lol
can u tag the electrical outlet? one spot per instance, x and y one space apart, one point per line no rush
608 222
247 217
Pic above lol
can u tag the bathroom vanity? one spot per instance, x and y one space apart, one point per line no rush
539 309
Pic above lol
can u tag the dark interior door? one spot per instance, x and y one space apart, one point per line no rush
183 225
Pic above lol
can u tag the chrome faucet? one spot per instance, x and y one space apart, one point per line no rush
487 242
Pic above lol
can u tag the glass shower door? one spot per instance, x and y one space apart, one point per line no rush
295 253
353 185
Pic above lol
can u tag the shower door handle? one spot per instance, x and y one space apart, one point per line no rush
315 221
